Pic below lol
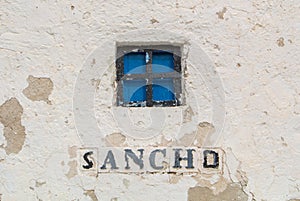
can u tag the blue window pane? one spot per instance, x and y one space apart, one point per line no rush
162 62
135 63
163 90
134 90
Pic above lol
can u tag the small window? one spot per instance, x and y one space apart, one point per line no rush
149 76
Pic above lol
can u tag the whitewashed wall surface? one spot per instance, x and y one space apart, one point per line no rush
60 121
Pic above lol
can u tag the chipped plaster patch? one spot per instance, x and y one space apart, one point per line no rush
188 114
91 194
10 116
153 20
73 169
39 183
164 141
39 89
280 42
72 151
126 183
174 179
233 192
216 183
115 139
256 26
197 138
221 13
96 83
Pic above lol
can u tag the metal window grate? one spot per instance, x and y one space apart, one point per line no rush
148 77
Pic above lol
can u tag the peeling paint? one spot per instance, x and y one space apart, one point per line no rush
14 132
164 142
153 21
188 114
91 194
126 183
256 26
217 184
197 138
72 169
39 183
72 151
115 139
96 83
221 13
233 192
38 89
280 42
174 179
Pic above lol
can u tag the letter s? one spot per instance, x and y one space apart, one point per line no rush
87 160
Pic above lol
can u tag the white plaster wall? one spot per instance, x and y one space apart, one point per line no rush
253 47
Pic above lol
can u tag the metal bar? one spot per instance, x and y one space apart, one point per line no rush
152 76
149 102
120 99
177 63
178 91
119 76
177 81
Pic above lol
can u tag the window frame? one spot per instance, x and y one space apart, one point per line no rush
176 75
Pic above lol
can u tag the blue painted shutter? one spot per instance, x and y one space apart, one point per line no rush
135 63
134 90
162 62
163 90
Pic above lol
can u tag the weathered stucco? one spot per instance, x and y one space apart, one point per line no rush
241 94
